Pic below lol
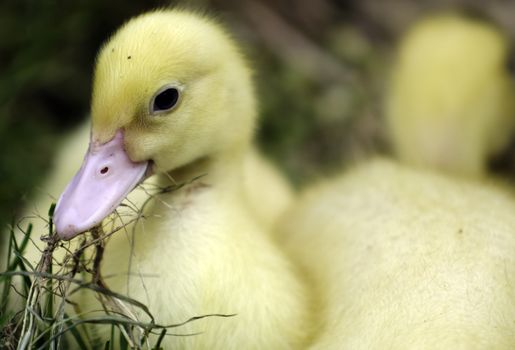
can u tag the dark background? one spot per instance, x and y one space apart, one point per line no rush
321 70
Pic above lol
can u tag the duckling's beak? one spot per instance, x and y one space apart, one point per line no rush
105 178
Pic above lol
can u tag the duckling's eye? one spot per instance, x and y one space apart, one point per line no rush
165 100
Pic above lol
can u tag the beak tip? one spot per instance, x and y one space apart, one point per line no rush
66 231
93 194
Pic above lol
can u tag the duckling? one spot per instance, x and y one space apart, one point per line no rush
172 96
405 258
410 256
450 101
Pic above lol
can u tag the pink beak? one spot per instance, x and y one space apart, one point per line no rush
105 178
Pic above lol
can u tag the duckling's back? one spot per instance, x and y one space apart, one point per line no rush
404 259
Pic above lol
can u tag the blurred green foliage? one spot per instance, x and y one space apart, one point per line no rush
47 50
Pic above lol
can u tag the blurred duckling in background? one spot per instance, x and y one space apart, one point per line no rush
405 257
450 103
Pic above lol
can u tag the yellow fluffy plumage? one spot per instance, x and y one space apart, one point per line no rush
407 259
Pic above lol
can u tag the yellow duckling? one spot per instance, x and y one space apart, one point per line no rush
267 205
450 102
407 259
172 95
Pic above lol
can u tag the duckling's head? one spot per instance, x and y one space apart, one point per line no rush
177 87
170 88
450 105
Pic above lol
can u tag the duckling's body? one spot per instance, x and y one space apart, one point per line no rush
450 102
204 252
407 259
268 192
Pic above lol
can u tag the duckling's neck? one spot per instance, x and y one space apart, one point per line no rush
225 169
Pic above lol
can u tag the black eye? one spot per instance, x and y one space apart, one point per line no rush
165 100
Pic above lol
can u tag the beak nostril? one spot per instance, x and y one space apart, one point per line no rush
104 170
